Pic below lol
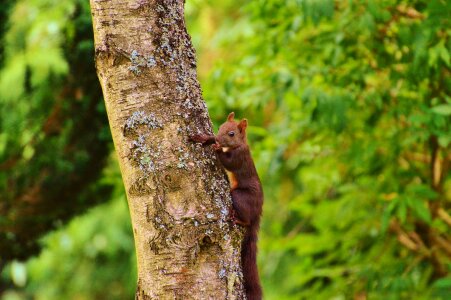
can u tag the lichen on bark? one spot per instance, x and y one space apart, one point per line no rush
178 196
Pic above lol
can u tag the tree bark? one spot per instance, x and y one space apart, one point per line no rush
177 193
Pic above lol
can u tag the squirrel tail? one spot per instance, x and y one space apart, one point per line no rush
249 263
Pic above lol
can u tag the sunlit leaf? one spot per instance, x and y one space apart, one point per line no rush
443 109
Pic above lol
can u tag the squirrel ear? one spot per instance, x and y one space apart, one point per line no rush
242 125
231 116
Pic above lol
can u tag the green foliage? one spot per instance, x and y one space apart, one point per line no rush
349 109
4 12
54 136
92 257
348 106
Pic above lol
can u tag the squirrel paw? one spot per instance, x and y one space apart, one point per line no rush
198 138
232 217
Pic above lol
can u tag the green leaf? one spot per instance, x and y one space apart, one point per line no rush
420 208
442 109
18 273
402 211
422 191
444 140
443 283
444 54
387 214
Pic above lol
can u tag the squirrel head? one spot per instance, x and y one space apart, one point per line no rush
232 133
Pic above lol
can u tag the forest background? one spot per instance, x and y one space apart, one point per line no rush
349 107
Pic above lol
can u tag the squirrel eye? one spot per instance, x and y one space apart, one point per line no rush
231 133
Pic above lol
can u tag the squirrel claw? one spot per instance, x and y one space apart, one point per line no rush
235 220
232 218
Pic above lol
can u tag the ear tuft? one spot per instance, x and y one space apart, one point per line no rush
242 125
231 116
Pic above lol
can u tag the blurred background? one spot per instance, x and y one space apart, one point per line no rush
349 105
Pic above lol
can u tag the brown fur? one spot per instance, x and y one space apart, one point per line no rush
247 193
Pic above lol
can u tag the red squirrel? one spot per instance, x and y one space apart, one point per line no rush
247 194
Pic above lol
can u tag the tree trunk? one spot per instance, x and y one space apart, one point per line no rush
177 193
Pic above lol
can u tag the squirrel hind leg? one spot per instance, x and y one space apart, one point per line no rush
235 221
242 206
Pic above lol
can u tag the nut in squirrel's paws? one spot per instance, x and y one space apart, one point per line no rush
218 147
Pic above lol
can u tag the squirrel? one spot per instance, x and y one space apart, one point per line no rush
247 194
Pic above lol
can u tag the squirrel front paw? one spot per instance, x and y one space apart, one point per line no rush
217 147
197 138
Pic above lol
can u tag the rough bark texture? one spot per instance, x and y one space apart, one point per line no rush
178 196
